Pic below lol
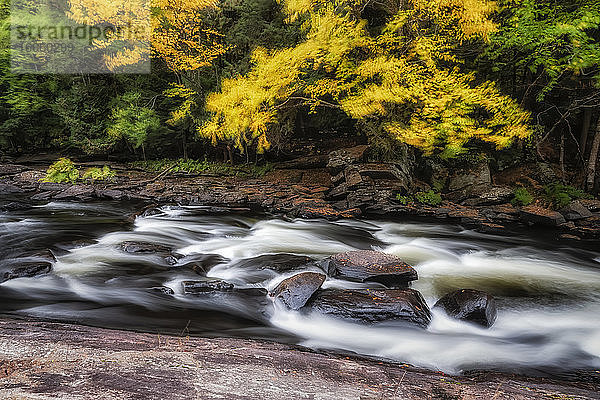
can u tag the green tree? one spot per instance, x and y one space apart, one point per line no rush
132 122
547 53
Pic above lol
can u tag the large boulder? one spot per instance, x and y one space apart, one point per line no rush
475 176
535 215
495 195
78 193
266 267
339 159
372 305
276 262
295 291
199 263
469 305
370 266
575 211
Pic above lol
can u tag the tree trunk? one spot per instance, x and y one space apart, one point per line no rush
230 153
593 160
585 128
562 158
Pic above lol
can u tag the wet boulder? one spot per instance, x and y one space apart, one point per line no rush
27 270
370 266
268 266
199 263
199 287
15 206
162 290
144 248
275 262
218 286
469 305
372 305
295 291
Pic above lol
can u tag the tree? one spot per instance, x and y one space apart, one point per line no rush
400 77
548 54
132 122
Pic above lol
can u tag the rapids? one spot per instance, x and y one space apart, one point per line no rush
548 294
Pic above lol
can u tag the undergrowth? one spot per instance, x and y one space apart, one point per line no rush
202 167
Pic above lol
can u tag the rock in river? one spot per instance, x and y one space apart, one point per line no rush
142 247
294 292
219 286
469 305
27 270
373 305
370 266
276 262
198 287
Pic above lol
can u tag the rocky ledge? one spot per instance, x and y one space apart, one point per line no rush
42 360
339 185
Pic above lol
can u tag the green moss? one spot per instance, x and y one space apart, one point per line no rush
62 171
522 197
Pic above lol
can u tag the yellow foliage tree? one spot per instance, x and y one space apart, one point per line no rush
404 79
173 30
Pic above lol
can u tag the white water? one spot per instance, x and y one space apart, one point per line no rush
548 298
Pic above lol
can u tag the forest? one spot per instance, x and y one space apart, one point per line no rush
243 81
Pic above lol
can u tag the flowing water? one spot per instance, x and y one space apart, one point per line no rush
548 295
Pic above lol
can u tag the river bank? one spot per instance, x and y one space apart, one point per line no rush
310 188
45 360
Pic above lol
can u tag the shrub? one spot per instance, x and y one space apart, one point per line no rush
62 171
430 198
559 195
99 174
522 197
404 200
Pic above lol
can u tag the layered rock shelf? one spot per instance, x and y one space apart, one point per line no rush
341 185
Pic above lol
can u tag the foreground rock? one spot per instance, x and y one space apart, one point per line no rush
50 361
294 292
373 305
370 266
470 305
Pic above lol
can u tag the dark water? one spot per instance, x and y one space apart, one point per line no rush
548 295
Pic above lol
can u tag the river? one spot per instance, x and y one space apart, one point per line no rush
548 294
